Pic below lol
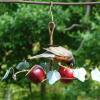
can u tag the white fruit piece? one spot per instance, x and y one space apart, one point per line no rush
80 74
53 76
95 74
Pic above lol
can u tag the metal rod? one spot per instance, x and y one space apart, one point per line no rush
49 3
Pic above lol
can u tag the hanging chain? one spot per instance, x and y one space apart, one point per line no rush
51 5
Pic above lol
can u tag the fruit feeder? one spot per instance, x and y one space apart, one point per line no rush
59 54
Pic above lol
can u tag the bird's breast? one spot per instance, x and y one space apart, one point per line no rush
62 58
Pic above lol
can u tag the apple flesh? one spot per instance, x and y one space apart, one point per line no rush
36 74
66 74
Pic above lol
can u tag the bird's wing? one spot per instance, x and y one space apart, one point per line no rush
43 55
59 51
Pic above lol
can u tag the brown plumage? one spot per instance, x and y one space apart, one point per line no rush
59 53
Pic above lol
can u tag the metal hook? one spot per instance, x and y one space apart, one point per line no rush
51 25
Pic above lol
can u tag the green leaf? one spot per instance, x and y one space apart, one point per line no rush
8 73
23 65
45 66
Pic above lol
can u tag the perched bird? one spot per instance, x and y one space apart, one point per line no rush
59 53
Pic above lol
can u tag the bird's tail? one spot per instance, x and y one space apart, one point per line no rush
43 55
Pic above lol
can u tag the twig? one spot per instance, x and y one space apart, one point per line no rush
72 26
81 45
88 8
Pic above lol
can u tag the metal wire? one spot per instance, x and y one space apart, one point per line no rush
51 12
49 3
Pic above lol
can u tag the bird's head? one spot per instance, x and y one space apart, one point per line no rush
71 62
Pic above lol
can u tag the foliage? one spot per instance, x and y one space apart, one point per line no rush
24 32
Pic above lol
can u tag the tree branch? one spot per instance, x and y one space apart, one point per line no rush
49 3
81 45
88 8
72 26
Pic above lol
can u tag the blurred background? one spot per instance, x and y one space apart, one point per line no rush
24 32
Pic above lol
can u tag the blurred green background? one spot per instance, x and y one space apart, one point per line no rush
24 32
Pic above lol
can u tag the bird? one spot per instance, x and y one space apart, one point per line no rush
58 53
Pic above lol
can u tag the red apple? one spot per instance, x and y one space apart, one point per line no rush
66 74
36 74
